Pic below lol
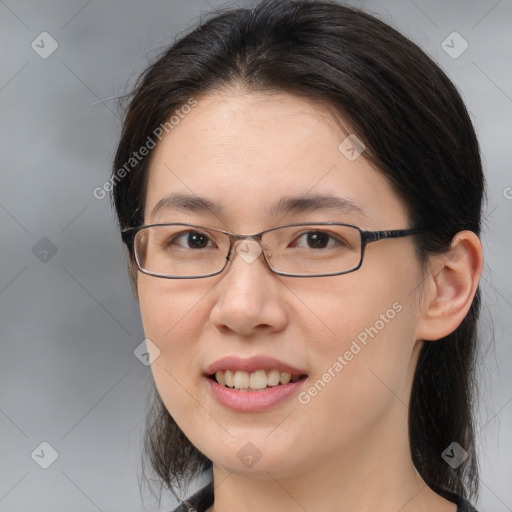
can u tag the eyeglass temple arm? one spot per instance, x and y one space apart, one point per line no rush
374 236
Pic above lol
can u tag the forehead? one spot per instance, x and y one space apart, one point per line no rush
248 152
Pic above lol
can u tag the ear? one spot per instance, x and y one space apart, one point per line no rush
450 287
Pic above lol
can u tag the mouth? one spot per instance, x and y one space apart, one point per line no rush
259 380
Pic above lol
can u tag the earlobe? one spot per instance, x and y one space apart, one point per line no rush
451 287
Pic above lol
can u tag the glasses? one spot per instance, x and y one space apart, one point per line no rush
188 251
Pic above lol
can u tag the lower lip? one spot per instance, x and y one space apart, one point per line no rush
253 401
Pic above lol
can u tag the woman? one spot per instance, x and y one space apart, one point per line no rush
300 187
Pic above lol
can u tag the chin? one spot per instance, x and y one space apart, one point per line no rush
260 460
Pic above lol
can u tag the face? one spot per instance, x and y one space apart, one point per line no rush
353 335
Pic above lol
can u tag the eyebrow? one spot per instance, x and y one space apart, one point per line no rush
317 202
286 205
186 203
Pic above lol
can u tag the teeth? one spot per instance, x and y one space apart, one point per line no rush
273 377
257 380
241 380
228 378
220 378
285 378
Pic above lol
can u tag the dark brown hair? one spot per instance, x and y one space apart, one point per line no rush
417 132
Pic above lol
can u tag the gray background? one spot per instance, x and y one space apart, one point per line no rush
69 323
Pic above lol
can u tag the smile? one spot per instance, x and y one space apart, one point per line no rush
254 381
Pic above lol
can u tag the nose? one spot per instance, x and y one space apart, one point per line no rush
249 296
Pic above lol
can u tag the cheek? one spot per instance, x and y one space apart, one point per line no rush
376 302
363 336
173 317
170 310
360 378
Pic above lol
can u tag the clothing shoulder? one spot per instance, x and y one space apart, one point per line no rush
198 502
203 499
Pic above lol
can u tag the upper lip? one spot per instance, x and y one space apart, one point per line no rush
251 364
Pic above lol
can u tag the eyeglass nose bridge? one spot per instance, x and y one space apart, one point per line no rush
249 248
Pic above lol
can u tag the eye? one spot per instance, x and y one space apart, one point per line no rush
191 240
317 240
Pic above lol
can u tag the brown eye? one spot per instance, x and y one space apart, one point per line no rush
318 240
191 240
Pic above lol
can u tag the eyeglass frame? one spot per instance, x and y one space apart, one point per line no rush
128 238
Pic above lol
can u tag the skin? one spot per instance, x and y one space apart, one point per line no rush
347 449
